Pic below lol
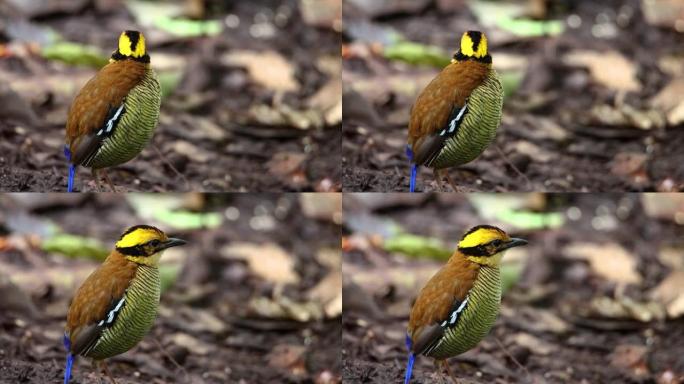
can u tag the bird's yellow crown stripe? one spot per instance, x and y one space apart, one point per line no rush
467 46
479 237
125 45
137 237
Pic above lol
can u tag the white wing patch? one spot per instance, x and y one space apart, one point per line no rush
110 123
454 122
457 312
112 314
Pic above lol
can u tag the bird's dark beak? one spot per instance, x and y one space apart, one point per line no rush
171 242
513 242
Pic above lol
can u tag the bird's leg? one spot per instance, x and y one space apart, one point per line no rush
444 173
106 371
97 180
438 179
108 180
451 182
445 364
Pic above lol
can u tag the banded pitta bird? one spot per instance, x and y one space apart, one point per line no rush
117 304
455 117
458 306
115 114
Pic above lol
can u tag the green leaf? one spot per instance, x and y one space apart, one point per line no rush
532 220
510 274
75 247
75 54
531 28
168 274
185 220
417 246
188 28
168 81
165 209
510 81
417 54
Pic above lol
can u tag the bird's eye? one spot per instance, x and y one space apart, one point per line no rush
154 243
496 242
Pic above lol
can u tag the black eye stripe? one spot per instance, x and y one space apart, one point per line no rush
136 250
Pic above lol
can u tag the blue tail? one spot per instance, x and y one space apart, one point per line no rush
70 359
72 170
411 359
414 169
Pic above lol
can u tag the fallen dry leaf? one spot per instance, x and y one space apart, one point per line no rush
284 164
285 308
192 344
664 206
267 68
628 163
664 13
610 69
671 103
630 357
536 345
322 206
191 151
268 261
322 13
289 357
284 115
328 291
670 292
627 116
610 261
626 308
672 257
537 153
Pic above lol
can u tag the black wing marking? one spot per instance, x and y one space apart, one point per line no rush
89 145
88 337
432 335
434 143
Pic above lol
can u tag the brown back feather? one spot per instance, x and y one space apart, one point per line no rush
105 90
437 297
447 91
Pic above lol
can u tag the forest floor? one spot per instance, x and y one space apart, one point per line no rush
251 93
225 316
587 301
596 107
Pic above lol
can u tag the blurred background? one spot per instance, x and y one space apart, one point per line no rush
251 91
593 91
254 297
596 297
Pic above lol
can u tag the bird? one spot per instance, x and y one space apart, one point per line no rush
455 117
459 304
117 304
114 115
